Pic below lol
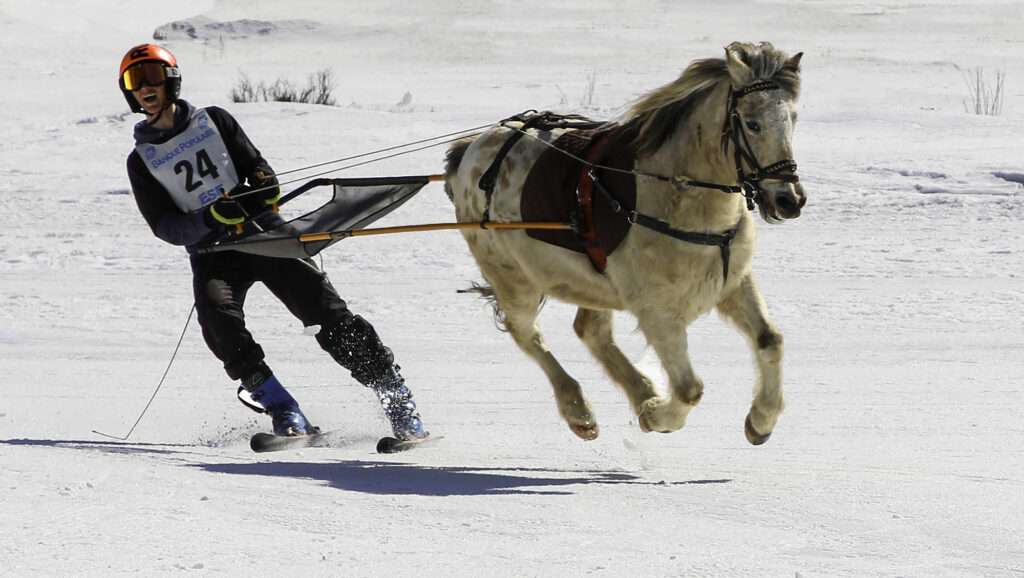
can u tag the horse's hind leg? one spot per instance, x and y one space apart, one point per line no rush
519 302
520 309
746 309
594 328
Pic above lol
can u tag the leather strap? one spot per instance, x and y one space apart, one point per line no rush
584 197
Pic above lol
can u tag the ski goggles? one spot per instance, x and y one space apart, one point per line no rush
151 73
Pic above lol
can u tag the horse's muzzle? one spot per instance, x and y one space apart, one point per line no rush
782 201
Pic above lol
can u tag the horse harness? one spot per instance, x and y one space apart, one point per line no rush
530 119
749 187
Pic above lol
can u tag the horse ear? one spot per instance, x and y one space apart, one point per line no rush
740 73
794 62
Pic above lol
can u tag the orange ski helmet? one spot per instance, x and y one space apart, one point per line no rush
148 64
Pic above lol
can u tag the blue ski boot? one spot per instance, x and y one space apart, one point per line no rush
282 408
400 409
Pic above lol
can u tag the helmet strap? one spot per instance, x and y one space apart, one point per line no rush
155 118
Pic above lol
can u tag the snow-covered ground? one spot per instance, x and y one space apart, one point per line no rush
899 291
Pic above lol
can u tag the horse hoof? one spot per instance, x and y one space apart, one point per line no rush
752 436
646 428
587 432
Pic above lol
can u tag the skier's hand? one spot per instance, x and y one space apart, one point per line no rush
242 203
224 211
262 191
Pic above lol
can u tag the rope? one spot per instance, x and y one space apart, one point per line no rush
450 137
366 162
158 385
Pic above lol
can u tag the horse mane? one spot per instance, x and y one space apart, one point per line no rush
656 116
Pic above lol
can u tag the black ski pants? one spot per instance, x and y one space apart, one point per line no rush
220 283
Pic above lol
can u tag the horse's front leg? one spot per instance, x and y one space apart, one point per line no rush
594 328
668 339
745 308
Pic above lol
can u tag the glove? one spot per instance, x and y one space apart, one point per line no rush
225 211
264 191
242 203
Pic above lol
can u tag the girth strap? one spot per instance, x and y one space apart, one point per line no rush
721 240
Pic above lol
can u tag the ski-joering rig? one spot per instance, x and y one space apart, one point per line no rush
650 215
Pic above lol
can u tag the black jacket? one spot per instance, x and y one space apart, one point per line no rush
166 220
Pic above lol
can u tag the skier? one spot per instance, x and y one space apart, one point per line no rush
185 160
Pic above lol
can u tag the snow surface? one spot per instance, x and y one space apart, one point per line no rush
899 292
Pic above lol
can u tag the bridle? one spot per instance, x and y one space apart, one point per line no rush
750 183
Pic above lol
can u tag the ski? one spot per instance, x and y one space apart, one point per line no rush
392 445
263 442
268 442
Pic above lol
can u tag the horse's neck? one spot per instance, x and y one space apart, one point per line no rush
694 153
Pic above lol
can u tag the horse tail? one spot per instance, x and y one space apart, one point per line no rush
452 161
486 292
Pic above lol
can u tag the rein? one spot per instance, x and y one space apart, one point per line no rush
733 131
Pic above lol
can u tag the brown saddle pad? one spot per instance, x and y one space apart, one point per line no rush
549 193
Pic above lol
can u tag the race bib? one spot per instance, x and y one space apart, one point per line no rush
194 166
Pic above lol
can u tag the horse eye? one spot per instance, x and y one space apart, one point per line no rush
754 126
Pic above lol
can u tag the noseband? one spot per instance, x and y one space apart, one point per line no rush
750 183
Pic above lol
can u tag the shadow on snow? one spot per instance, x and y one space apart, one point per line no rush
113 447
373 477
385 478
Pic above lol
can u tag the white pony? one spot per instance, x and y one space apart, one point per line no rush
693 150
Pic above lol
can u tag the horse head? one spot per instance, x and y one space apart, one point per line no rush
759 124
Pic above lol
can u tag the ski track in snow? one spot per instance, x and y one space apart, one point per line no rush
899 293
